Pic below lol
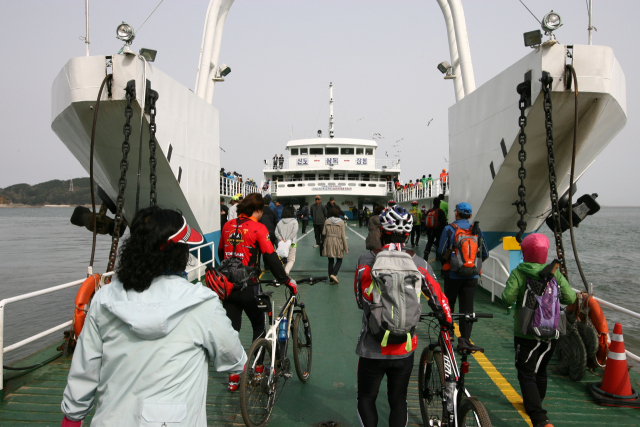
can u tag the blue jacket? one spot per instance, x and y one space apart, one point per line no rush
446 240
279 210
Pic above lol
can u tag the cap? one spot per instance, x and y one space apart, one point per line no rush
464 208
444 170
186 235
414 203
267 196
535 248
331 198
391 202
235 198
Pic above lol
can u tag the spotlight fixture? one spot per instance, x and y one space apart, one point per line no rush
444 67
125 33
551 22
148 54
533 38
224 70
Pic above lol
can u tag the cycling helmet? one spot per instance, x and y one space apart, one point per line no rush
391 203
414 203
396 219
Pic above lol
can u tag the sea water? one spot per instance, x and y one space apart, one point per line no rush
40 248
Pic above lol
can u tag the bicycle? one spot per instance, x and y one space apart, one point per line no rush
268 367
441 388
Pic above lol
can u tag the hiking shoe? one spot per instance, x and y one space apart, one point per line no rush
234 382
334 279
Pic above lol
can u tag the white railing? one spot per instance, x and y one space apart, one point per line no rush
231 187
198 267
497 264
383 164
428 191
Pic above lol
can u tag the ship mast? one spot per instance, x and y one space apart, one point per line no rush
331 110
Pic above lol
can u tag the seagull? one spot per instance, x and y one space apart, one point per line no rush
429 122
359 119
386 153
445 159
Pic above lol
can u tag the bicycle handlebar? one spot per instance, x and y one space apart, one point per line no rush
310 280
470 316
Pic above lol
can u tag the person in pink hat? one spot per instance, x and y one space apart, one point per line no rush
533 351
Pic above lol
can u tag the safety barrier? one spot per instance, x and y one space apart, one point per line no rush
429 190
231 187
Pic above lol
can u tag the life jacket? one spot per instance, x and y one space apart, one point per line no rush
432 219
464 258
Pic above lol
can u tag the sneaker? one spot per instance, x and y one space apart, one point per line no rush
334 279
316 246
234 382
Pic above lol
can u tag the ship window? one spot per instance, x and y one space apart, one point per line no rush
359 151
323 176
372 185
309 176
297 177
353 177
365 177
369 151
331 150
346 151
316 151
294 151
303 152
338 176
277 178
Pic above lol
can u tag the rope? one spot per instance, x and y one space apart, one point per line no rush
145 21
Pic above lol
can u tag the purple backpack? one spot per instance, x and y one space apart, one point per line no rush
540 311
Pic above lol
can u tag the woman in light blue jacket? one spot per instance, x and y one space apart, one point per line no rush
142 357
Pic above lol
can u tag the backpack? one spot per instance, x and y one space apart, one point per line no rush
540 313
465 260
218 283
395 309
432 219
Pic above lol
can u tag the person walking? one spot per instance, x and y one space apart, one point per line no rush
331 203
233 213
287 229
533 353
373 238
279 208
456 285
319 214
267 199
435 221
224 212
150 336
360 217
417 217
444 205
335 243
304 216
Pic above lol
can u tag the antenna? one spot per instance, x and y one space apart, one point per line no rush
71 185
331 110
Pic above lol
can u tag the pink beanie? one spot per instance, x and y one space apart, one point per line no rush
535 248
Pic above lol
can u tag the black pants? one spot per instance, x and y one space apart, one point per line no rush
245 300
305 224
532 358
415 235
360 219
317 229
370 374
465 289
433 239
334 269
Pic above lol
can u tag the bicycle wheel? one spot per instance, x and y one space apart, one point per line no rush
430 385
472 413
302 347
257 392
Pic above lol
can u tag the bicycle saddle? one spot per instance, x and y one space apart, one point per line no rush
465 346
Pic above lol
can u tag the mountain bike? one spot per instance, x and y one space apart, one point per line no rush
268 367
444 399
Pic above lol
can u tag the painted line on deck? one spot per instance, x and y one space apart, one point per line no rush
303 236
363 238
505 387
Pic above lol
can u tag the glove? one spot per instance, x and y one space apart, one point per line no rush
443 320
66 422
293 286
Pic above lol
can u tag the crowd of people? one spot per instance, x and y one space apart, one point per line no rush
151 319
426 186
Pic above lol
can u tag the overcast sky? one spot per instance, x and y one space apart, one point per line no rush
380 55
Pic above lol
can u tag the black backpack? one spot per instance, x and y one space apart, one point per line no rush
233 268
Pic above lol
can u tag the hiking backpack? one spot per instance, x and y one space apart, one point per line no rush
432 219
540 313
465 259
395 308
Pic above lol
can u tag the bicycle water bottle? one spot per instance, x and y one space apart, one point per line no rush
282 330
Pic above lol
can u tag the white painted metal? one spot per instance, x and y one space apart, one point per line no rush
453 50
208 38
424 196
37 336
462 42
590 4
230 187
330 110
86 37
215 54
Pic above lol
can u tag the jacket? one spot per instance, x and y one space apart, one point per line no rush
329 207
278 211
373 238
517 284
143 357
319 213
446 240
335 244
304 213
269 219
287 229
417 216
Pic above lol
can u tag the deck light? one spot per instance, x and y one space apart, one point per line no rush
444 67
125 33
551 22
533 38
148 54
224 70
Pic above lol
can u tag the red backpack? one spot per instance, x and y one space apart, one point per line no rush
432 219
465 260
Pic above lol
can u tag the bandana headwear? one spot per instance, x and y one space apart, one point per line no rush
185 235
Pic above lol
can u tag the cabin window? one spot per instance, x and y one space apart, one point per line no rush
294 151
347 151
353 177
331 150
277 178
309 176
303 152
359 151
316 151
297 177
365 177
323 176
369 151
338 176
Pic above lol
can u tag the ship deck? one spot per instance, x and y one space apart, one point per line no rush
330 394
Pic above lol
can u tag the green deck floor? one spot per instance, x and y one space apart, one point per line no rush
330 394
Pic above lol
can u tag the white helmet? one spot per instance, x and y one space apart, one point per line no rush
396 219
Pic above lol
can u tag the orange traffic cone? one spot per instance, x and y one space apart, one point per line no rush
615 388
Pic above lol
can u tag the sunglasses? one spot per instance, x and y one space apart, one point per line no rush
317 199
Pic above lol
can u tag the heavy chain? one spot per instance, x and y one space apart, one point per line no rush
521 205
551 160
124 166
152 98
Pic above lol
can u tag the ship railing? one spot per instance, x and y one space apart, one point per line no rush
198 268
231 187
430 190
383 164
498 269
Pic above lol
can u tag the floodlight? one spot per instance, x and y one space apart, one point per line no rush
148 54
444 67
319 133
125 33
224 70
551 22
533 38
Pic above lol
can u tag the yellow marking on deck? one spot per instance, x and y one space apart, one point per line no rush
507 390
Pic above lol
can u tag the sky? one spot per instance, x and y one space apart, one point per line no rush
381 57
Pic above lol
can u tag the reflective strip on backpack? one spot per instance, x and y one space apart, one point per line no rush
385 339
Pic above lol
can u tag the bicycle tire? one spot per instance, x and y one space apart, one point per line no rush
431 404
257 395
302 354
472 413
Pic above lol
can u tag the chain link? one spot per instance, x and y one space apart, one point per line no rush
152 98
551 160
124 166
521 205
